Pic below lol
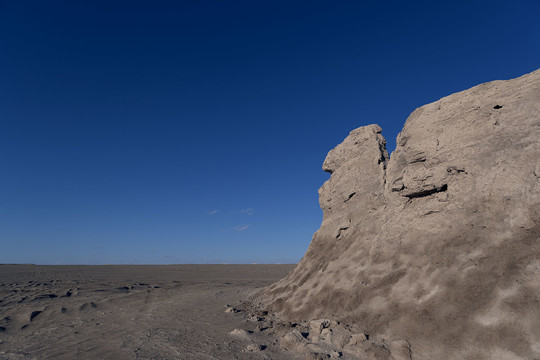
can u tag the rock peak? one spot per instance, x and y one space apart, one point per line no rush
359 141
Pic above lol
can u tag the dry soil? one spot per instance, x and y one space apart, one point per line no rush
133 312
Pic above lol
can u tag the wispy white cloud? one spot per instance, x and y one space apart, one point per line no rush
241 227
248 211
213 212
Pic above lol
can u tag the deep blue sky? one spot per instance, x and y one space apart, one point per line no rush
188 132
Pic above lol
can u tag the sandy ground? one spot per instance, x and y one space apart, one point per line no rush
133 312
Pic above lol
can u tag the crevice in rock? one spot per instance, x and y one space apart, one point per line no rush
340 231
456 170
409 350
418 159
34 314
384 157
427 192
398 184
350 196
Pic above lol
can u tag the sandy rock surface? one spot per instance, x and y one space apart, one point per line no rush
434 252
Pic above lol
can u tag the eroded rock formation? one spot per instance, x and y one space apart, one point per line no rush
439 245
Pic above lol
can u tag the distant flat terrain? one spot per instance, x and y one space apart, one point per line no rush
130 312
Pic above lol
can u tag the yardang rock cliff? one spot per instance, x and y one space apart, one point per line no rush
439 244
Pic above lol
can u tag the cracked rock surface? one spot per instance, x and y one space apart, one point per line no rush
435 250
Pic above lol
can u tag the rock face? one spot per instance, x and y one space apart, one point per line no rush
438 245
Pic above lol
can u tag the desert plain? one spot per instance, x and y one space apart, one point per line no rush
134 312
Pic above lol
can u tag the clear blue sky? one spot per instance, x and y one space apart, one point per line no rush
194 131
